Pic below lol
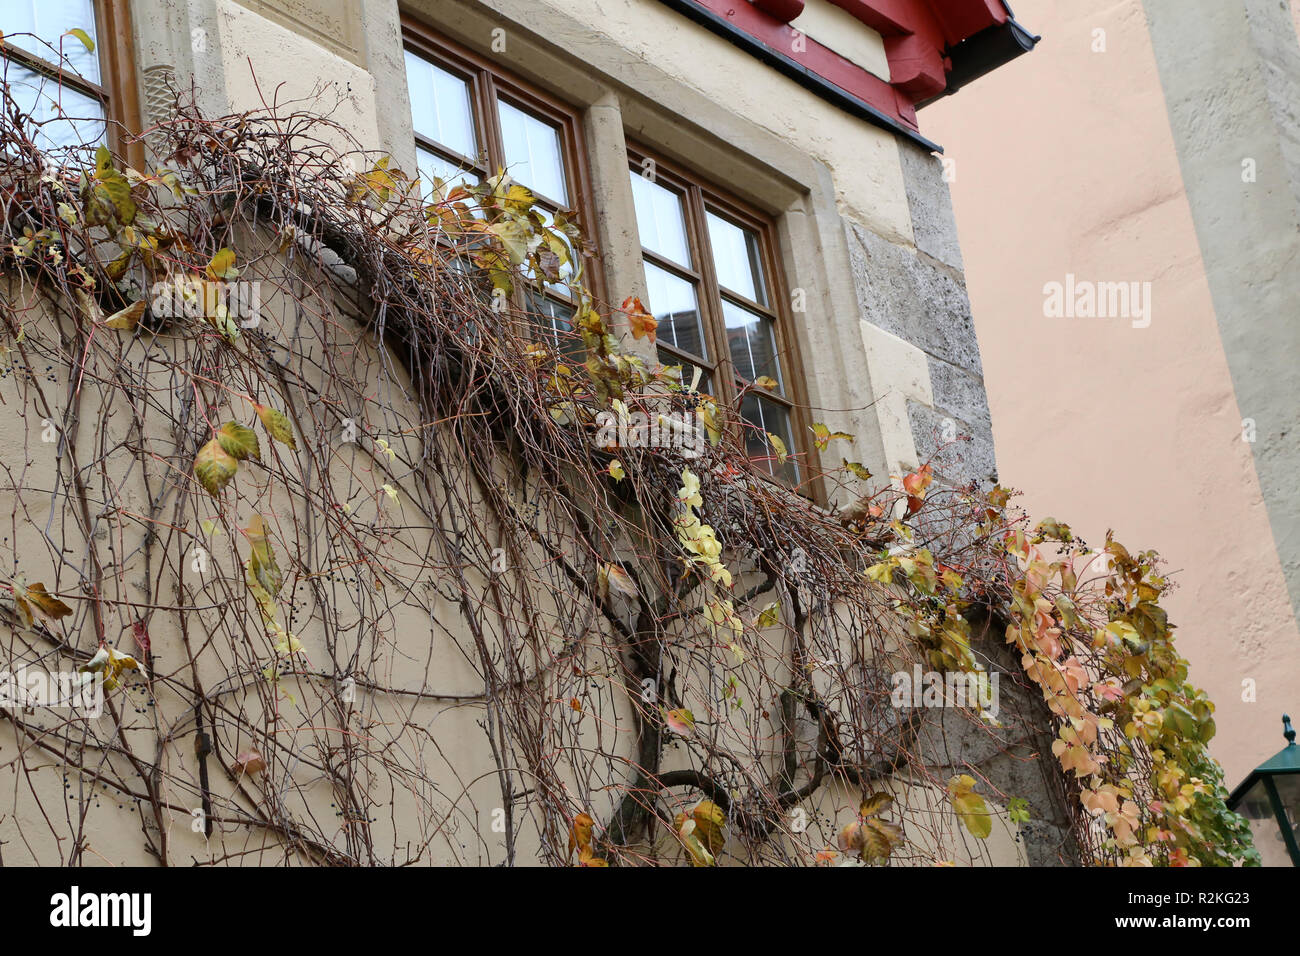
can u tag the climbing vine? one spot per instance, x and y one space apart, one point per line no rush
318 536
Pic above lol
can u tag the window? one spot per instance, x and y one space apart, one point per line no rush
470 120
714 287
92 97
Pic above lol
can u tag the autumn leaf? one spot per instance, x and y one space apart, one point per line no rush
261 566
641 323
276 425
84 37
823 436
249 762
238 441
222 265
128 318
680 721
779 446
214 467
857 469
769 616
918 481
767 382
619 580
34 598
616 470
970 806
709 820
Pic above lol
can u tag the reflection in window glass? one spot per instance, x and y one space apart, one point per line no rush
533 154
555 319
762 416
674 305
50 20
434 166
751 339
440 105
736 259
79 122
660 220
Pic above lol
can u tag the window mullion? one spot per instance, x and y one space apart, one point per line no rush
710 298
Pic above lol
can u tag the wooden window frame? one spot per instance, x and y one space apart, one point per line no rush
699 196
488 82
116 91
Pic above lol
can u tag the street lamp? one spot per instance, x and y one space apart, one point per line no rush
1269 799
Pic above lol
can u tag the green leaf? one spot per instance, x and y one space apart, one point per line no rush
276 425
214 467
85 39
239 441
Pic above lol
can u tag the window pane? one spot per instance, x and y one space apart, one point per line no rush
434 166
674 305
49 20
533 154
440 105
660 220
80 122
705 384
736 259
555 319
565 267
751 339
762 416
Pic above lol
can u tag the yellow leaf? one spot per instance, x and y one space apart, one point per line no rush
214 467
276 425
709 821
239 441
857 469
222 265
970 806
127 318
781 453
824 436
767 382
616 470
44 603
84 37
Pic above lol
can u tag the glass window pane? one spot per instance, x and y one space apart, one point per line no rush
434 166
533 154
565 267
674 305
737 259
762 416
660 220
705 384
751 339
49 20
555 319
80 122
440 105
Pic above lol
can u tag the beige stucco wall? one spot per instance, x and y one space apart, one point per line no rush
1066 163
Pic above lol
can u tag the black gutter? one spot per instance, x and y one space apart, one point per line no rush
984 52
798 72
